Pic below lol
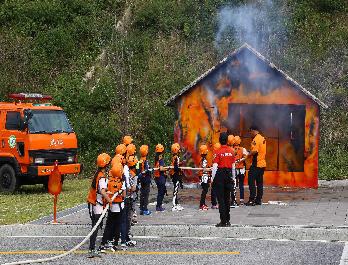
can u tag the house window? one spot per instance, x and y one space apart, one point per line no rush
283 127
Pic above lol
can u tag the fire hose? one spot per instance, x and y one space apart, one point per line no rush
96 225
71 250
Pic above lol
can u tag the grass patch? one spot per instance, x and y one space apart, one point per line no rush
32 202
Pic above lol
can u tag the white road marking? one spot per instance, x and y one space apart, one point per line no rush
344 257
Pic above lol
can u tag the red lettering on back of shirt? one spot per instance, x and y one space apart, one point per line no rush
224 157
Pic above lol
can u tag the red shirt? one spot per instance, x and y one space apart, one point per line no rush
224 157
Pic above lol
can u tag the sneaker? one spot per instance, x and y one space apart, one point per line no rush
234 205
180 207
113 248
175 208
203 208
220 225
241 202
131 243
147 212
123 246
250 203
102 249
215 207
93 253
160 209
109 244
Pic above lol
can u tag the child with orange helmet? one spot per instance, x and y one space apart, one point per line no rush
214 204
96 197
230 140
160 178
241 153
117 186
145 180
205 177
129 202
127 140
176 175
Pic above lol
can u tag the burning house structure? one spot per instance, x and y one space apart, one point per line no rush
244 89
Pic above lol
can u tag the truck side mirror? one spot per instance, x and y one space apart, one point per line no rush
27 116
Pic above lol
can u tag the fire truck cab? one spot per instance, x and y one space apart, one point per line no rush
33 135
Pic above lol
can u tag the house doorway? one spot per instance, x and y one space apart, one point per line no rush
283 126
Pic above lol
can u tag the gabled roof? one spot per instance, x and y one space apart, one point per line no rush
171 100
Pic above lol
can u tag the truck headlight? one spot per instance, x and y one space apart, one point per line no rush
70 159
39 160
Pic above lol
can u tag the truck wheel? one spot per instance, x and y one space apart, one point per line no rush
8 180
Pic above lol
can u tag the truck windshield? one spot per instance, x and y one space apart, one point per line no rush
49 121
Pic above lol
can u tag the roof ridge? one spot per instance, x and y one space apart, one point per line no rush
260 56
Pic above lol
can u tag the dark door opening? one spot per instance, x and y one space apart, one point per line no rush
283 127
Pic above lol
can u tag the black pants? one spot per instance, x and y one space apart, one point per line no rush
233 191
177 183
112 228
240 178
126 220
94 219
161 190
213 196
256 176
144 196
205 188
223 187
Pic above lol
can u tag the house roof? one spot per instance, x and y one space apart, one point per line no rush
171 100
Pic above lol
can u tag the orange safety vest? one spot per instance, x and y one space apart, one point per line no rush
115 185
239 154
92 194
171 171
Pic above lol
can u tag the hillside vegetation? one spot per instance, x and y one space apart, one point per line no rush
111 64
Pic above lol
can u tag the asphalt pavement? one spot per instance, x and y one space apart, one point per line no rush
179 251
293 226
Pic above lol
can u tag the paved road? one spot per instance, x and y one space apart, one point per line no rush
180 251
327 206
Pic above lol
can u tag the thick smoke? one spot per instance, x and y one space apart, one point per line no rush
260 24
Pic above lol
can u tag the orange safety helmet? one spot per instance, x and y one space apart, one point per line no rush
103 160
132 161
121 149
127 140
144 150
217 146
117 170
175 148
131 149
230 139
117 159
159 148
203 149
237 140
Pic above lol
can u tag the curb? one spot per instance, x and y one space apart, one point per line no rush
255 232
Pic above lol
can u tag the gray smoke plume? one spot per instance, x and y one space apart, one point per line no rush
260 24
